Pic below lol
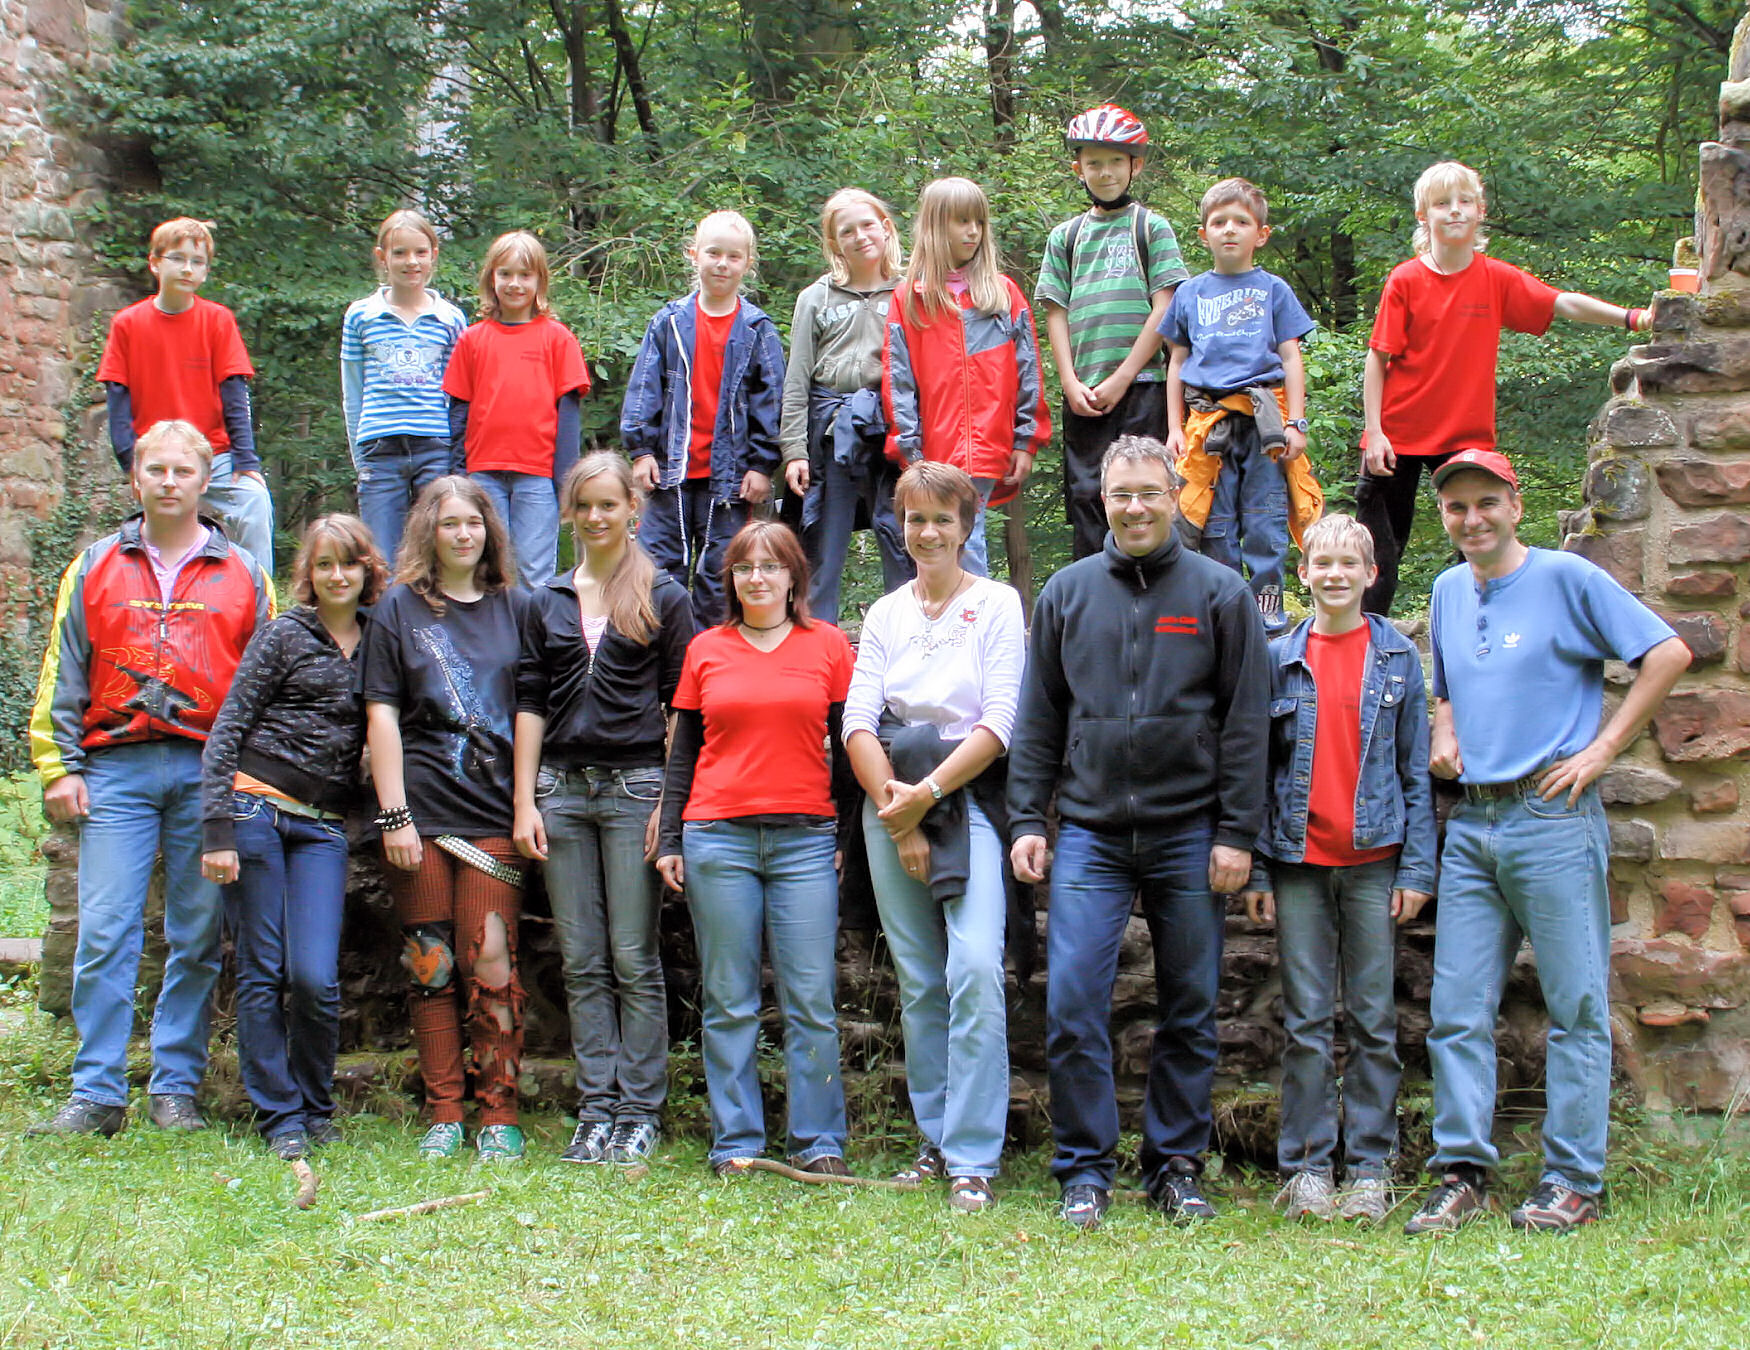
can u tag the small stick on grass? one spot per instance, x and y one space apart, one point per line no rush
823 1179
423 1207
307 1183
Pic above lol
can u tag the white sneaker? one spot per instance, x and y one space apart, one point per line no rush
1308 1195
1365 1199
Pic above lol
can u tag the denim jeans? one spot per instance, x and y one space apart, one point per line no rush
529 507
605 907
685 532
284 911
1093 877
1511 868
393 471
949 960
976 558
145 798
1335 923
1248 524
746 882
244 507
829 518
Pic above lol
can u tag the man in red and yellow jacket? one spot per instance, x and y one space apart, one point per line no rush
150 623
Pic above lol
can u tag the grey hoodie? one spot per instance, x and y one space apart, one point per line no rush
835 340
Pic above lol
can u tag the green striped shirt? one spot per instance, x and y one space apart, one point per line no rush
1103 288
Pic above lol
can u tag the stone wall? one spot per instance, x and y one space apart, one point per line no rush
1666 491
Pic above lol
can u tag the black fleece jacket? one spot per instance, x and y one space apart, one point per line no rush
604 709
1146 698
295 719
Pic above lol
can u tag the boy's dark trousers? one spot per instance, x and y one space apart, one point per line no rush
1141 412
1386 505
685 530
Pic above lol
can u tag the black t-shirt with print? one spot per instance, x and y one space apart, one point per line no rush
453 678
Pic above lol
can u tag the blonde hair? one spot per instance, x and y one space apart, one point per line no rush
405 219
946 483
417 567
629 590
733 220
926 275
193 439
843 200
518 248
1447 176
179 230
1337 531
352 537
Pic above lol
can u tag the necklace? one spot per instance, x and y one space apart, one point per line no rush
769 628
940 606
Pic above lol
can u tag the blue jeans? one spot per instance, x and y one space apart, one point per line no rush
976 558
605 907
829 517
529 507
1514 868
746 882
949 960
244 507
1094 875
145 798
1248 524
685 532
284 912
1335 923
393 471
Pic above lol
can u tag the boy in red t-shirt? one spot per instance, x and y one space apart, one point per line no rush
176 357
1347 853
1429 389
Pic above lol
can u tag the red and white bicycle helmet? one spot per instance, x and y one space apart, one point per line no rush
1109 127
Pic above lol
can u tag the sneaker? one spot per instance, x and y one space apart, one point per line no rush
1084 1205
175 1111
1308 1195
589 1142
971 1195
289 1146
827 1165
79 1116
443 1140
500 1143
322 1131
1554 1208
732 1168
1364 1199
1177 1191
1462 1195
929 1165
632 1142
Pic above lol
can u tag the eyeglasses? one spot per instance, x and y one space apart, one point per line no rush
1153 497
742 571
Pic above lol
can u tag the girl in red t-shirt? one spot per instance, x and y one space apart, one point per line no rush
514 383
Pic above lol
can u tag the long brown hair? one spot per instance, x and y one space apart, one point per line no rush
510 250
926 275
352 537
416 566
627 592
781 542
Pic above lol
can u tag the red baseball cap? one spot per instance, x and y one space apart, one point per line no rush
1487 461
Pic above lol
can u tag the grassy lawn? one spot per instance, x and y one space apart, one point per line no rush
149 1240
23 911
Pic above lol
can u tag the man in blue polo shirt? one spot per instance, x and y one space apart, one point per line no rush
1520 639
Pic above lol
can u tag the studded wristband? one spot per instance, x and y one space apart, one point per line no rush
394 818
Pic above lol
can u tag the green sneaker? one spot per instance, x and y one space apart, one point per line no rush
500 1143
442 1140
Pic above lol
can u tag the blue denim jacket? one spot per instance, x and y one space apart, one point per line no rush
1394 800
657 415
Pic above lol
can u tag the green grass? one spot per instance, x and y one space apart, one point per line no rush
23 911
149 1240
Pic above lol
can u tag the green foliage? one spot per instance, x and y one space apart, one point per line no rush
22 826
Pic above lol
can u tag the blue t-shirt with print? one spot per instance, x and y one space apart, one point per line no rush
1521 658
1233 326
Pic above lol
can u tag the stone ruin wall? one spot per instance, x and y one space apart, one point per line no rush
1665 496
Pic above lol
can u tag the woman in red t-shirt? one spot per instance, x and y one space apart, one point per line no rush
749 827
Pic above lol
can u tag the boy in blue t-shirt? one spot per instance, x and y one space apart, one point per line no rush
1236 399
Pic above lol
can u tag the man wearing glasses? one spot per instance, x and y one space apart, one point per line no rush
1145 706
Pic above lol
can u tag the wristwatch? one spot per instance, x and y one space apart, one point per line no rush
934 787
1296 424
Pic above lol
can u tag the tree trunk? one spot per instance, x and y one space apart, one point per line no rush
626 59
999 52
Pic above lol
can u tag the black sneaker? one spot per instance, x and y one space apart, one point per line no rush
1461 1195
175 1111
79 1116
322 1131
1554 1208
289 1146
632 1142
1177 1191
1084 1205
589 1142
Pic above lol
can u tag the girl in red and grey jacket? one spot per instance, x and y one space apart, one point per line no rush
960 376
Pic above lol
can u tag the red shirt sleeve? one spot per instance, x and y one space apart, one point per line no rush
1527 304
570 372
1391 323
230 356
113 368
459 374
686 694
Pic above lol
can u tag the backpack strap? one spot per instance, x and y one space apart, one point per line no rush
1138 235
